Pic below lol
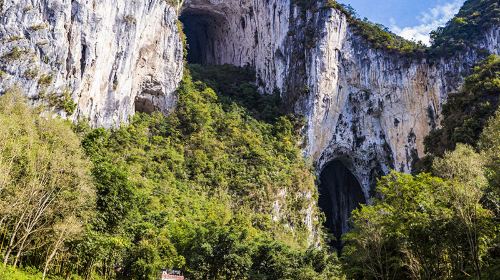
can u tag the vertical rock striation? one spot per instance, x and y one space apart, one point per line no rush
241 33
111 56
370 107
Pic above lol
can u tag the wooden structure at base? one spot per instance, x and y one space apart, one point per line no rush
171 275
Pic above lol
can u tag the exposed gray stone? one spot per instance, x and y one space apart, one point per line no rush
368 108
105 52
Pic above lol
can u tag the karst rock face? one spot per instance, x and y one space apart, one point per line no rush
111 56
372 108
368 108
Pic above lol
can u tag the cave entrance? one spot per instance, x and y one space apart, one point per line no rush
203 32
339 194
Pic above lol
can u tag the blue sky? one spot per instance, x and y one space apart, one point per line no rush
412 19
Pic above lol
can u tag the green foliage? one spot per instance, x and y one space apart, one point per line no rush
466 112
45 80
420 227
14 38
377 35
443 227
174 3
31 73
130 19
46 193
38 27
14 54
29 273
380 37
489 145
236 85
59 101
67 103
195 190
11 273
474 18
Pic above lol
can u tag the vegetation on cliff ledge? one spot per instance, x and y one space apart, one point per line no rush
442 225
209 189
377 35
467 111
220 190
462 32
466 28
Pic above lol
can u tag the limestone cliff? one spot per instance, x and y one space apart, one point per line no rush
371 108
368 108
241 33
109 55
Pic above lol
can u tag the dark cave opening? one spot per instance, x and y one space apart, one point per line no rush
202 31
339 194
144 105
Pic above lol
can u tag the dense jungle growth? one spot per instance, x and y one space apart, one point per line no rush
196 190
220 188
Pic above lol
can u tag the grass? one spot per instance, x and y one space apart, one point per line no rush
11 273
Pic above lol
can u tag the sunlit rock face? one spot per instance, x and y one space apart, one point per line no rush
113 57
371 107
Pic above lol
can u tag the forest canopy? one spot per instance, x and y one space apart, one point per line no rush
196 190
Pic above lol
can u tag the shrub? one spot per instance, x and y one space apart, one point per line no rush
421 227
467 111
45 186
31 73
15 54
38 27
474 18
377 35
45 80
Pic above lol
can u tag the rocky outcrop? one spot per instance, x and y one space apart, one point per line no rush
241 33
111 57
368 108
371 108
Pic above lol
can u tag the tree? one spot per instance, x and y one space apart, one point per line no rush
464 168
466 112
45 186
489 145
423 227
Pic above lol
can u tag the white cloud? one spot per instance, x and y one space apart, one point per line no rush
428 21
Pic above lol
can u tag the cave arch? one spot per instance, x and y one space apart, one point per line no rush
339 194
204 32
